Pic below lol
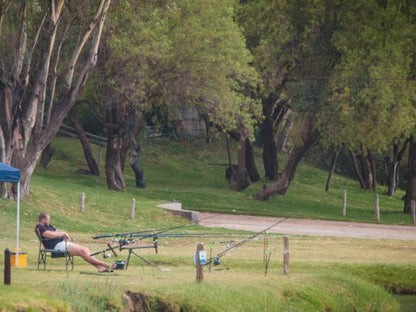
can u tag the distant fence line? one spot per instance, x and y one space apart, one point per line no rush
94 139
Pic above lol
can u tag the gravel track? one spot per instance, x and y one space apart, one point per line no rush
308 227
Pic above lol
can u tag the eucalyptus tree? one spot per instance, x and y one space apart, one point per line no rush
47 52
342 65
290 40
171 55
371 101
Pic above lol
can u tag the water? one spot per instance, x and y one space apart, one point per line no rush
407 303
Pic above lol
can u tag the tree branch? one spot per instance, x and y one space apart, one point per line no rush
21 46
4 5
84 40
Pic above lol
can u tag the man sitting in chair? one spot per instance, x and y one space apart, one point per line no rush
59 241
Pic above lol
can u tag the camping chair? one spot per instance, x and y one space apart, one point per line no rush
43 252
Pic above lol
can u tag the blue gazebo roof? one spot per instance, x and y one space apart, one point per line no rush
8 173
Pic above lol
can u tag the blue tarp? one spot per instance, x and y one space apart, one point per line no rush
8 173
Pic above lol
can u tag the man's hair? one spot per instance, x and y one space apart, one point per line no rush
42 216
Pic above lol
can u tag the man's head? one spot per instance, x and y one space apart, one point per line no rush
44 218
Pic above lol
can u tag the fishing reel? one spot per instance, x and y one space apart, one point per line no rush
217 261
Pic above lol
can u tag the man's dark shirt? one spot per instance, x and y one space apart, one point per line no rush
49 243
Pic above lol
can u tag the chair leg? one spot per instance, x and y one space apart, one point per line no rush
69 259
39 259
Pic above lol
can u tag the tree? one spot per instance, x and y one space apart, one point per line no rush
371 100
290 40
47 55
161 56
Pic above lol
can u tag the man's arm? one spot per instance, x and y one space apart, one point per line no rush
54 234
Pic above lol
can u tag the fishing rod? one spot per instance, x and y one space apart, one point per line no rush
216 258
268 254
158 231
125 234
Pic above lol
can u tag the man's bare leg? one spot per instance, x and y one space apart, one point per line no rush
84 252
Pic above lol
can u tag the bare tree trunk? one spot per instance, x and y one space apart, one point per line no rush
250 162
411 177
127 144
393 167
135 165
269 150
365 172
357 169
23 89
86 146
46 157
332 167
242 177
113 170
372 168
281 185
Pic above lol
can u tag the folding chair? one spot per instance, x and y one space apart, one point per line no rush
43 253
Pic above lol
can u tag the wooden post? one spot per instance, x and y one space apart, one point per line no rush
377 208
132 207
344 204
82 202
286 268
7 265
412 209
199 266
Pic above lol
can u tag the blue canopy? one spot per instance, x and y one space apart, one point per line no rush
11 174
8 173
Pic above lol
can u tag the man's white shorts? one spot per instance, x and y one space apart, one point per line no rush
62 246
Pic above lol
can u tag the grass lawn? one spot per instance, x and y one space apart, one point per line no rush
327 274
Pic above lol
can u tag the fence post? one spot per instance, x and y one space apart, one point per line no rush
344 203
82 202
412 210
377 208
199 266
286 263
7 270
132 207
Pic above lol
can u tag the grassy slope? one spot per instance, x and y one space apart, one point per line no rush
185 174
323 269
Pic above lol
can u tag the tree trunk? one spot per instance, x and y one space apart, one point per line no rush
357 169
127 144
269 150
207 128
86 146
393 167
46 157
113 170
242 177
249 159
365 173
23 89
411 177
332 167
281 185
251 167
372 168
135 165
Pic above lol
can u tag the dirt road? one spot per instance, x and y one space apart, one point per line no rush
308 227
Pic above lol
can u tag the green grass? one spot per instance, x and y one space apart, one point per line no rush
24 299
327 274
201 186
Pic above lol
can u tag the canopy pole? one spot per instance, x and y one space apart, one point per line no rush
17 224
